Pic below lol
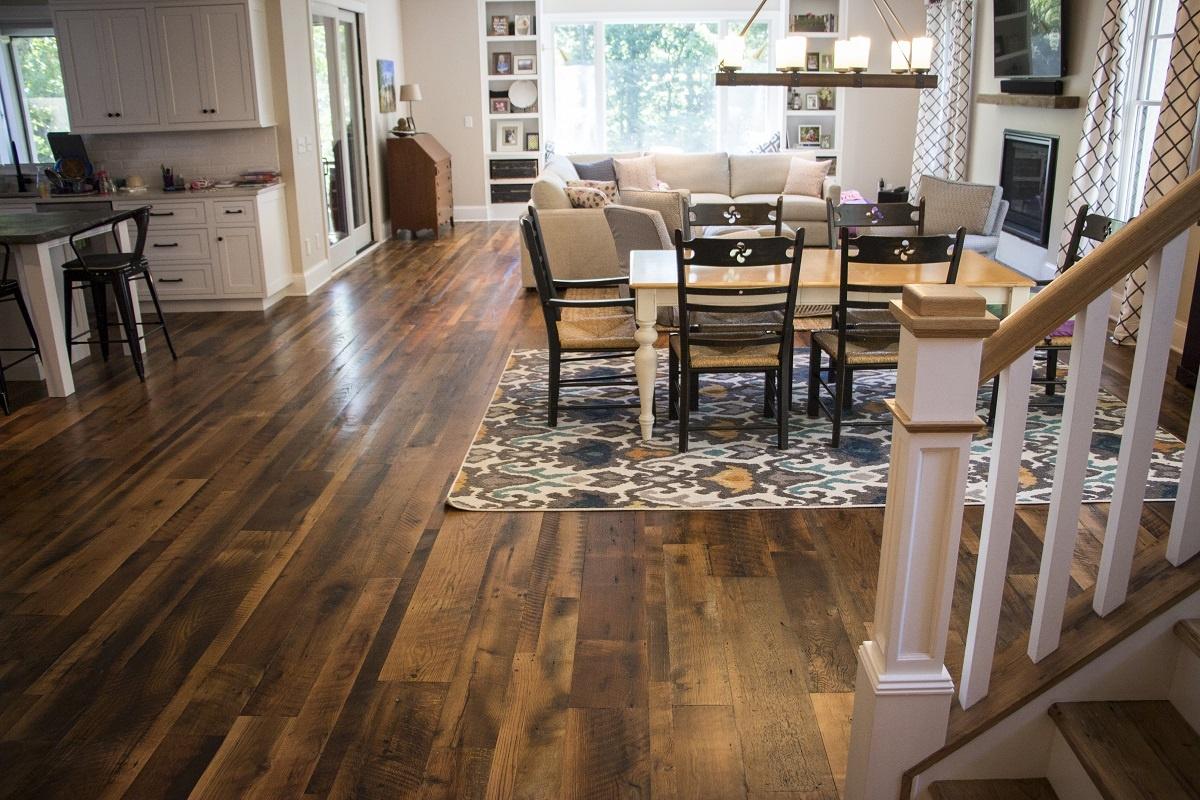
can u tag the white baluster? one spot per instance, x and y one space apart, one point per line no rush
1008 440
1163 278
903 691
1070 469
1184 542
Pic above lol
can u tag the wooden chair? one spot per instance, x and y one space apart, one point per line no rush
734 219
723 345
858 343
1094 228
874 215
10 292
589 317
117 271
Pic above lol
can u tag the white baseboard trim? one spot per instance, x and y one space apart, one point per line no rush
312 279
219 304
359 256
470 213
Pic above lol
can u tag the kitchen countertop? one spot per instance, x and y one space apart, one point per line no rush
32 228
155 195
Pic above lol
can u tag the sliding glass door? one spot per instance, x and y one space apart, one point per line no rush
338 74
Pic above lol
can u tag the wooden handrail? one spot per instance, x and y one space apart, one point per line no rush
1097 272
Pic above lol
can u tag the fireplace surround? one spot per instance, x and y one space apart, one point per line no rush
1027 169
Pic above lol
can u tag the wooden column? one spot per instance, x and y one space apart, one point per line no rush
903 691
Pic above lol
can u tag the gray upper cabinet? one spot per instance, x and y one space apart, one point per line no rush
159 65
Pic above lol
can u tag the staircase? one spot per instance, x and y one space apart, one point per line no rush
1039 715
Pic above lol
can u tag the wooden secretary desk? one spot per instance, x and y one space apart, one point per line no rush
420 195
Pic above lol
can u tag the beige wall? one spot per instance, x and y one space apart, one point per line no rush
385 40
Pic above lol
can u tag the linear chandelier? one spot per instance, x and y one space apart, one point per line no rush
911 60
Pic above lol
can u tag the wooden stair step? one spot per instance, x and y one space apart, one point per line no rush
996 789
1188 630
1133 749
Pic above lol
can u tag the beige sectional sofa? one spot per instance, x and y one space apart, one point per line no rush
580 244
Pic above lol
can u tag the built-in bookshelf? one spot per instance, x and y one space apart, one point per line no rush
510 56
814 118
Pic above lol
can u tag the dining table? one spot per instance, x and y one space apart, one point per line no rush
35 239
653 280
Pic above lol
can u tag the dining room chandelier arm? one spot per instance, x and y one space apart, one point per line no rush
907 54
754 16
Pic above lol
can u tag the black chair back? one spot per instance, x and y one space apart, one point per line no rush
874 254
770 272
873 215
531 230
7 261
1094 228
738 214
141 220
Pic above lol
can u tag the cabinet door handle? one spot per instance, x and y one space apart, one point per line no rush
117 114
238 211
170 280
220 238
162 213
172 244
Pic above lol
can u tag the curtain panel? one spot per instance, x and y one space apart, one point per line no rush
1170 160
944 114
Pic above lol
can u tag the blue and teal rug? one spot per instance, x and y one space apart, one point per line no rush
596 460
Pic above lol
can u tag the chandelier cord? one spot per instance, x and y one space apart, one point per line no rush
888 25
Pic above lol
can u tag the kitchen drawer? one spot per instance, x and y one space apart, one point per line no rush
170 212
233 212
184 244
193 281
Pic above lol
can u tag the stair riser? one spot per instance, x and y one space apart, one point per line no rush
1066 774
1185 686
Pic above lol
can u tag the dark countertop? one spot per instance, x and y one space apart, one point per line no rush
46 226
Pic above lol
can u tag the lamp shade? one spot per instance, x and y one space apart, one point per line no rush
731 50
410 92
791 52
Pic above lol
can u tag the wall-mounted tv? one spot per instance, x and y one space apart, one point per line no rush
1030 38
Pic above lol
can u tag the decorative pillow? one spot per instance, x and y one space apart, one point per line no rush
597 171
586 197
608 187
806 177
772 145
950 204
636 173
661 186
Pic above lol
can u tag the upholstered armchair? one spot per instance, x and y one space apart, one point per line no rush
979 208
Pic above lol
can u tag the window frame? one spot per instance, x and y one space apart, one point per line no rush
13 95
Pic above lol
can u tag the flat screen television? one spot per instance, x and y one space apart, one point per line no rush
1030 38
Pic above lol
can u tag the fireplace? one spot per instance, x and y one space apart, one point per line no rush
1027 176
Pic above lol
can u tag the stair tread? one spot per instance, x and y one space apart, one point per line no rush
995 789
1188 630
1133 748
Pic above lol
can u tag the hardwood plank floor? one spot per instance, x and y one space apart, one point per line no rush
239 579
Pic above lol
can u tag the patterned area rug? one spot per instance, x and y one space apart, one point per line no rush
596 459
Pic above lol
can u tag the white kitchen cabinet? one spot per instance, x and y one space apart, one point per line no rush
238 261
154 65
108 72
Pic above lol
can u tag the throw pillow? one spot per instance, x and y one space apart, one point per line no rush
586 197
636 173
806 177
949 204
597 171
772 145
608 187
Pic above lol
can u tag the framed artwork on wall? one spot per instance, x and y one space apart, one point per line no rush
387 85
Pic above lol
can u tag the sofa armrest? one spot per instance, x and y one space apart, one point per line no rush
1001 213
832 190
636 229
578 244
672 204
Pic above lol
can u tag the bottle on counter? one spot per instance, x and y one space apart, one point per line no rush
43 186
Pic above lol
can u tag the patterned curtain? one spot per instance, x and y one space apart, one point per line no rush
1170 160
944 114
1097 165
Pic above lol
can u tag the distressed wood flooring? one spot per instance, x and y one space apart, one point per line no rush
239 580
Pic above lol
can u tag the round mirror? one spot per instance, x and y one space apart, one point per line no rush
523 94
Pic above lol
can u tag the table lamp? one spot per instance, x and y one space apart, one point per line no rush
410 93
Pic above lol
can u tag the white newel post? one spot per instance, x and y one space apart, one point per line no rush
903 691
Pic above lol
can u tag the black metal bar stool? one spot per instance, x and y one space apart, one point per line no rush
10 292
115 270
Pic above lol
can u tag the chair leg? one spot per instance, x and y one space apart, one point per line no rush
28 322
838 404
785 381
1051 371
685 405
814 381
555 376
769 392
161 319
847 377
4 393
672 384
125 308
68 289
694 392
100 309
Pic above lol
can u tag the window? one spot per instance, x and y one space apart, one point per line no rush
648 85
32 88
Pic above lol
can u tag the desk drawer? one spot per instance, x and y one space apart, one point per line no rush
172 212
193 281
186 244
233 212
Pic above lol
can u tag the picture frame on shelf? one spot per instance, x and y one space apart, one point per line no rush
501 105
795 99
510 137
825 98
812 102
826 141
533 141
502 63
525 64
826 62
808 135
523 24
499 25
812 62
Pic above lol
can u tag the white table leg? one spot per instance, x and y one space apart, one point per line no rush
646 359
36 272
127 246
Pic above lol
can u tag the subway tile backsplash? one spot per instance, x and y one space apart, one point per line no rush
192 154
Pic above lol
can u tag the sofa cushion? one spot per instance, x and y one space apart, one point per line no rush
796 208
697 172
597 170
586 197
636 173
561 167
950 204
762 173
806 177
609 188
549 192
703 198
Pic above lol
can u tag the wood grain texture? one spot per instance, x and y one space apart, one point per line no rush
1015 789
239 579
